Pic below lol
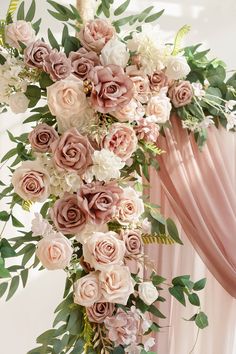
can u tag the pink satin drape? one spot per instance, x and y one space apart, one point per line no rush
200 186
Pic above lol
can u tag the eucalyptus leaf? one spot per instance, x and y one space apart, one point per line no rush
3 288
154 17
31 12
21 12
13 287
122 8
53 40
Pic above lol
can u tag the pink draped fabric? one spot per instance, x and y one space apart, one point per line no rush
200 187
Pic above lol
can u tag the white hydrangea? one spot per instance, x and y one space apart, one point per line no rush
151 48
106 166
40 226
231 120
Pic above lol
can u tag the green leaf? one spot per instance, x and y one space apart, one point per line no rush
122 8
145 13
46 336
2 59
31 12
3 288
65 34
154 17
157 279
194 299
179 38
154 310
123 21
16 222
33 93
21 12
178 293
45 81
27 256
201 320
199 285
173 231
191 318
4 215
24 276
36 26
181 280
13 287
4 273
9 154
58 16
118 350
52 40
72 44
44 209
6 249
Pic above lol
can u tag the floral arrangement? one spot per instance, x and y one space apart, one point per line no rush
99 100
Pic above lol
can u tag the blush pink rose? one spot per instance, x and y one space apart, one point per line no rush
72 152
103 249
31 181
100 200
19 31
69 215
121 140
55 251
112 88
95 34
87 290
181 93
158 80
116 284
130 207
41 137
57 65
83 61
132 111
122 327
147 129
35 53
100 311
133 242
140 80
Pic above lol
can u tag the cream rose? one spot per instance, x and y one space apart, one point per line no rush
31 181
116 284
19 31
18 102
67 101
103 249
115 52
89 230
130 207
87 290
160 107
132 111
54 251
177 68
148 292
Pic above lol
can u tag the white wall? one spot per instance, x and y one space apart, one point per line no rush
30 312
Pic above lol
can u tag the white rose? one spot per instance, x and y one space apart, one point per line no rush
116 284
160 107
89 230
130 207
18 102
40 226
19 31
67 101
114 52
54 251
177 68
103 249
147 292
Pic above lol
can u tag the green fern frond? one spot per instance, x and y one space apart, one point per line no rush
179 38
153 148
26 205
12 7
162 239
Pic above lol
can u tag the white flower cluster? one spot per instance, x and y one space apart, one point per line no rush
12 86
230 114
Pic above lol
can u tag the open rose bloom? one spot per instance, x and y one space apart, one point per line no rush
100 104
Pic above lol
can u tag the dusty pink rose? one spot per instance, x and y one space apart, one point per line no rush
72 152
100 311
181 93
83 61
103 249
100 200
112 88
69 215
133 242
116 284
130 207
87 290
158 80
95 34
19 31
122 327
147 129
55 251
121 140
41 137
35 53
31 181
57 65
